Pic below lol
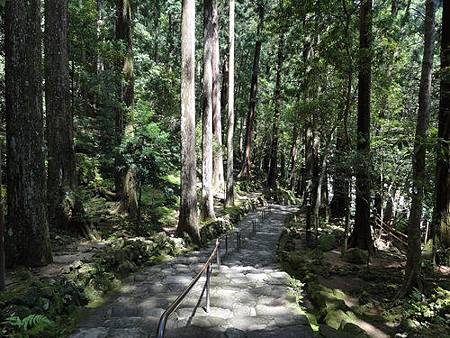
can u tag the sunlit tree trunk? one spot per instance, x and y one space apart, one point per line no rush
218 171
229 196
361 236
273 168
414 261
441 223
188 219
28 235
207 126
251 115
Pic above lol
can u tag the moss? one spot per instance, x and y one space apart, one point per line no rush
327 242
354 331
338 318
357 256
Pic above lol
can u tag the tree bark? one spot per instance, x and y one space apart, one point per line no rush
251 115
341 184
2 226
218 171
293 156
28 235
361 236
413 273
62 180
441 224
188 219
229 196
125 180
207 126
273 168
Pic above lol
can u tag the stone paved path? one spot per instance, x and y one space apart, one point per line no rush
250 296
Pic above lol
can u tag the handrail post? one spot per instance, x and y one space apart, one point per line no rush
238 240
208 282
218 256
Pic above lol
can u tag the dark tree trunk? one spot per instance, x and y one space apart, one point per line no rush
342 178
218 171
2 226
293 157
394 7
62 180
229 196
413 274
441 223
207 204
361 236
28 236
188 219
156 28
124 180
273 168
251 115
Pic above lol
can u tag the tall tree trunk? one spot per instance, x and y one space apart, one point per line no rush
2 226
441 224
414 262
251 114
218 173
273 169
293 156
124 176
225 80
207 126
361 236
341 184
188 219
229 196
28 235
62 180
156 28
394 7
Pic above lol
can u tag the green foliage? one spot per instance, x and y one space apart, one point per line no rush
40 308
30 326
147 149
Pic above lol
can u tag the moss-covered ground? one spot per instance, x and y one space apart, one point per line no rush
352 295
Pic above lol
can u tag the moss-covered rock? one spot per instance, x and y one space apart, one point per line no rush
327 242
326 299
354 331
357 256
338 318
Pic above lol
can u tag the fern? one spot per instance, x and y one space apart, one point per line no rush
31 324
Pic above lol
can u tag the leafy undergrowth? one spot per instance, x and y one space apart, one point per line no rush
348 297
42 306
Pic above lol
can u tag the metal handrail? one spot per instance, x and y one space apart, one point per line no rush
206 267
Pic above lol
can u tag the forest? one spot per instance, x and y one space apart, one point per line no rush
285 163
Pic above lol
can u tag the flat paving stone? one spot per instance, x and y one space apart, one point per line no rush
250 296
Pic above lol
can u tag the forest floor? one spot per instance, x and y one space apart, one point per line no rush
250 296
348 296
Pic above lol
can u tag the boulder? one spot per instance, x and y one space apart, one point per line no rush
357 256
